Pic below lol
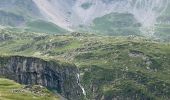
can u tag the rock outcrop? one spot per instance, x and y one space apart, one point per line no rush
51 74
4 37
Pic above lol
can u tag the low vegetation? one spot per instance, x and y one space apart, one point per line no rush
10 90
111 67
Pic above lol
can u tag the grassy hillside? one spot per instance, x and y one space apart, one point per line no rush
116 24
39 26
23 15
128 67
18 22
10 90
44 26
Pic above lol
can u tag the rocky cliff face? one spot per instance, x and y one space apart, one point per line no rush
51 74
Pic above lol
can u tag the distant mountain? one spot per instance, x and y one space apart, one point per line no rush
152 16
25 15
17 12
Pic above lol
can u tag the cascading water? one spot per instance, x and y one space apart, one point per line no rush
82 88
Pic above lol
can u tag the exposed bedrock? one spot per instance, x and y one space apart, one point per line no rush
51 74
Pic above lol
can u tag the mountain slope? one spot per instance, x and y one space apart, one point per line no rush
23 14
111 67
117 24
80 15
82 12
44 26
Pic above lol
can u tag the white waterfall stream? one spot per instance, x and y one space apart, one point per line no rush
82 88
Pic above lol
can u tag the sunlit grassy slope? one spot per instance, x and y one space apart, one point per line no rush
10 90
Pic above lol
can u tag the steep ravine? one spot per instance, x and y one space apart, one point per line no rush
51 74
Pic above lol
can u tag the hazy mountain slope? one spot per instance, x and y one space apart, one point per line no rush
81 15
163 25
11 19
70 14
23 14
44 26
117 24
25 8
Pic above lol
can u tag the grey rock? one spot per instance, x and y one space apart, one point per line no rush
35 71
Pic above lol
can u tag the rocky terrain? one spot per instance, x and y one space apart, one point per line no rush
108 17
33 71
106 68
84 50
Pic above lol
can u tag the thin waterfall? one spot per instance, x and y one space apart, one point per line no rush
78 81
